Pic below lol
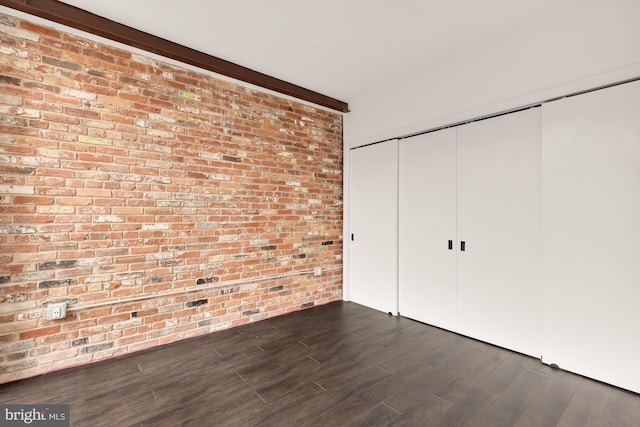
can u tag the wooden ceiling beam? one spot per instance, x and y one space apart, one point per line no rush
80 19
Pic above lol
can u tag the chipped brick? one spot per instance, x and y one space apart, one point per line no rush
79 341
50 265
14 81
56 283
196 302
59 63
232 158
206 280
97 347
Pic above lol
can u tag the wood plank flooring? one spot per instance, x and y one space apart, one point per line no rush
341 364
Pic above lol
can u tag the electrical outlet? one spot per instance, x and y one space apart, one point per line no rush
57 311
317 271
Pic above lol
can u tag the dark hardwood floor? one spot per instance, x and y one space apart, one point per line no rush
339 365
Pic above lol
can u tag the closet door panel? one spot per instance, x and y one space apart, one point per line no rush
591 224
499 221
427 212
373 225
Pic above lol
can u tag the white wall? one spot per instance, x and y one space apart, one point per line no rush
594 44
585 44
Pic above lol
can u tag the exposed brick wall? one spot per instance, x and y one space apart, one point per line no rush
124 177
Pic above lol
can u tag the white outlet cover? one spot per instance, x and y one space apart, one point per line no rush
56 311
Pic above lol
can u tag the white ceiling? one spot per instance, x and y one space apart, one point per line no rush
340 48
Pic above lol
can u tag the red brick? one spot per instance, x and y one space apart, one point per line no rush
103 57
59 99
63 46
39 200
73 201
39 29
113 318
12 209
80 59
39 332
33 219
94 313
42 87
116 52
81 112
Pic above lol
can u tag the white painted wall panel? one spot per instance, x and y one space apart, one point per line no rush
591 229
373 222
499 274
427 221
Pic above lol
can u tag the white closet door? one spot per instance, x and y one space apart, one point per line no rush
499 219
374 226
591 224
427 212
